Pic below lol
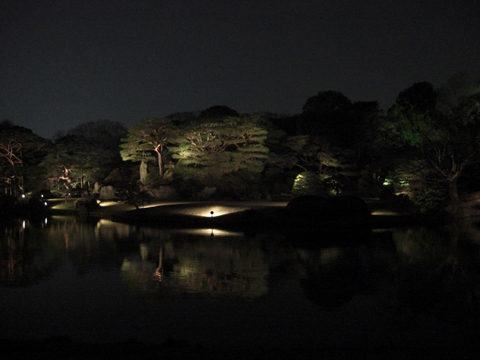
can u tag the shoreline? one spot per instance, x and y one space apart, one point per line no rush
237 215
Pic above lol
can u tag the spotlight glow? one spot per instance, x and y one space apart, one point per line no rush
385 213
209 232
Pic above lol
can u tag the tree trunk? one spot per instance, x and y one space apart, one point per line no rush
453 194
143 171
160 163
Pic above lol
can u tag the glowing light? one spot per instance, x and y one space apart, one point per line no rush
107 203
208 211
106 222
219 211
45 203
384 212
209 232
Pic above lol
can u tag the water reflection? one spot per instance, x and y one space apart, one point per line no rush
26 256
220 265
399 277
438 271
334 275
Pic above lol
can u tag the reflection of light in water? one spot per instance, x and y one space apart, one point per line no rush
209 210
211 268
144 251
221 210
126 265
107 203
329 255
384 212
158 273
106 222
209 232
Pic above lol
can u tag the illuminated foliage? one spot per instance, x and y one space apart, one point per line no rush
84 155
20 152
440 131
71 162
327 163
150 136
308 183
212 148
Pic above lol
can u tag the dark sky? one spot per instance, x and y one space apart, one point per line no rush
66 62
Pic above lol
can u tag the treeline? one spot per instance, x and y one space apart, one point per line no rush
426 145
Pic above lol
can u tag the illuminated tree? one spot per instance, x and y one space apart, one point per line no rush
86 154
150 136
326 162
20 152
372 148
213 148
441 130
71 162
343 141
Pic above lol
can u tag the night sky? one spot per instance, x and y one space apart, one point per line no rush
66 62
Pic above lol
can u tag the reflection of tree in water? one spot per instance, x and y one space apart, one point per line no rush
84 244
333 275
439 272
25 257
221 267
31 250
208 266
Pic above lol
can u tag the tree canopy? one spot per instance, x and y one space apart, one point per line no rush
212 148
20 152
430 138
440 131
151 135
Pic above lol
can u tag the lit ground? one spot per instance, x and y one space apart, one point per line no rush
226 214
204 208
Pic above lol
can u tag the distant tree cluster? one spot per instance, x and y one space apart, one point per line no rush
426 145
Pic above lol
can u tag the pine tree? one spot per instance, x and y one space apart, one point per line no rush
213 148
150 136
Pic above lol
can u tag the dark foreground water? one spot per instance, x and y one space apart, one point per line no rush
105 282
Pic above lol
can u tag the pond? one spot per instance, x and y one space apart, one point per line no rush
108 282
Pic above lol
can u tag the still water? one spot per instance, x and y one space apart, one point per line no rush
103 281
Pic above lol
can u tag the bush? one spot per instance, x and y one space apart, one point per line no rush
430 198
308 183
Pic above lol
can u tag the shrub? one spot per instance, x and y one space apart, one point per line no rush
308 183
430 198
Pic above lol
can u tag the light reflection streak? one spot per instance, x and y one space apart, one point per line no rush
385 213
209 211
209 232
